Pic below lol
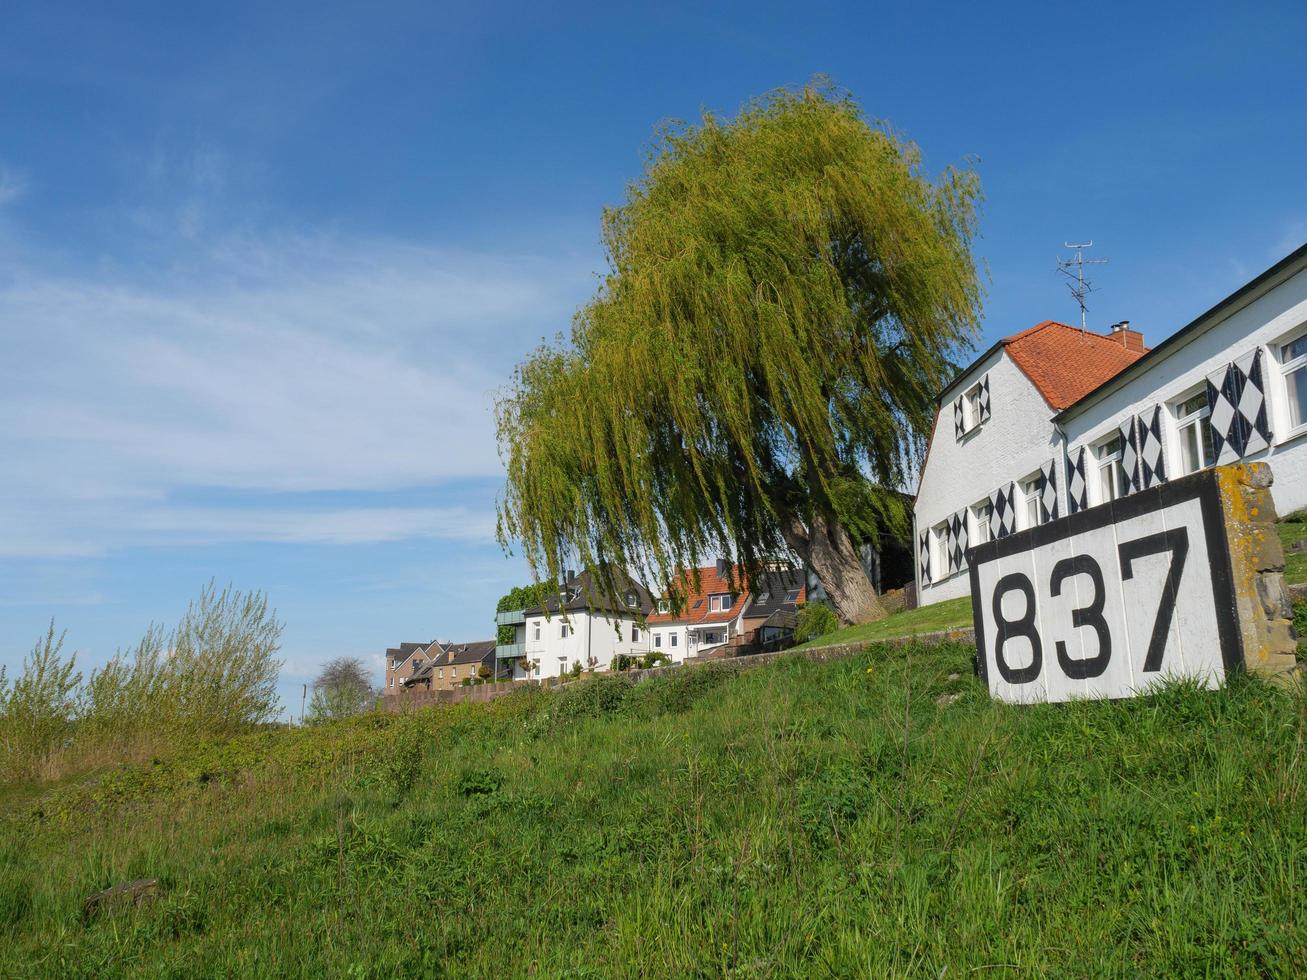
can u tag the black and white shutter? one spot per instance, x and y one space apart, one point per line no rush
1002 513
1130 454
984 399
958 429
1252 402
1077 486
923 555
1152 457
957 542
1048 489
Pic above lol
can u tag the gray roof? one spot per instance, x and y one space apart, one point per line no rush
776 586
583 593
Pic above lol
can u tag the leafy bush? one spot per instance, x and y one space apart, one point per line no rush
624 661
479 782
815 619
36 714
595 698
677 690
654 658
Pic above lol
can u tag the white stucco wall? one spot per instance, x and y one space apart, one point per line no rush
1269 320
1016 441
593 636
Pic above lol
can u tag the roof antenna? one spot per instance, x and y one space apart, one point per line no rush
1080 286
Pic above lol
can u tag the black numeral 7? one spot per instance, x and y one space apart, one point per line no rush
1176 541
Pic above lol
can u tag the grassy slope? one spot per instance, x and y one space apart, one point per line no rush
954 613
799 819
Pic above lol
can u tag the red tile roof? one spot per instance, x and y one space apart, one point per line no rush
695 609
1066 363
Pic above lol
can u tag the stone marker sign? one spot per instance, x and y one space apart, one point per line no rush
1182 580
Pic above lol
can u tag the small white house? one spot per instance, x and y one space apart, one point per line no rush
711 614
1056 420
579 626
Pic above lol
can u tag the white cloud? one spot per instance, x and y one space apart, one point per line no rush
260 366
12 186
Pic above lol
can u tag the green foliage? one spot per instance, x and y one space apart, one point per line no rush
815 619
841 818
519 597
654 658
787 294
36 712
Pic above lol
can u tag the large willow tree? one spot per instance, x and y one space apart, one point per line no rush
757 371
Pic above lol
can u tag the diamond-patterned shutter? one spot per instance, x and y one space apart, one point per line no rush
1152 457
984 399
1077 487
1002 514
1130 454
957 555
1048 489
957 419
1252 402
1223 415
923 556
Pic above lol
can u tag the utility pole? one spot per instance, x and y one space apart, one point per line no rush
1080 286
303 695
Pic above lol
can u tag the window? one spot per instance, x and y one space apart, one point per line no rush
658 640
980 514
664 607
710 637
635 633
971 408
673 640
630 600
562 666
392 680
441 673
453 673
1031 505
1195 434
792 595
720 603
1110 475
537 632
763 598
1293 362
564 630
939 551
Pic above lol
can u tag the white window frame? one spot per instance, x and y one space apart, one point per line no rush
971 409
565 630
1289 368
978 513
1102 460
537 630
658 641
939 552
664 607
635 633
1196 420
1029 493
673 639
721 602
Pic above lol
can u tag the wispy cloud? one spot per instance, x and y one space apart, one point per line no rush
12 186
265 366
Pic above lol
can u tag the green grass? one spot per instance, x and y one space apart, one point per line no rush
1295 563
798 819
949 614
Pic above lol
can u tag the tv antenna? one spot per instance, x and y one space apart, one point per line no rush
1080 286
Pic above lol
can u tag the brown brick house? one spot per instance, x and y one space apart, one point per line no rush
456 663
405 661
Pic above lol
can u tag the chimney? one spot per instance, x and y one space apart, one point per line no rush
723 566
1131 340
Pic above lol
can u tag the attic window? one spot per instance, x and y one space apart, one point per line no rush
720 603
971 414
663 606
792 595
764 597
630 599
698 603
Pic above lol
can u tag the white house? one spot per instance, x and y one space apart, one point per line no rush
581 625
1055 420
710 614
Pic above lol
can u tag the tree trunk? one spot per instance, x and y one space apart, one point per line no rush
830 552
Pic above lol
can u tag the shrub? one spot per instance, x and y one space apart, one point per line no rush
479 782
815 619
599 696
654 658
36 713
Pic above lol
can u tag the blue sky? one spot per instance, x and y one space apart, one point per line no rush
262 266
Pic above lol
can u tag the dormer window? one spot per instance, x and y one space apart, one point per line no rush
720 603
664 606
792 595
764 597
630 600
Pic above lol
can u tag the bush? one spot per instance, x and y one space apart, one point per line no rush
36 714
595 698
624 661
655 658
815 619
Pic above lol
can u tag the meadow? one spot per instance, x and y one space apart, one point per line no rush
875 815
